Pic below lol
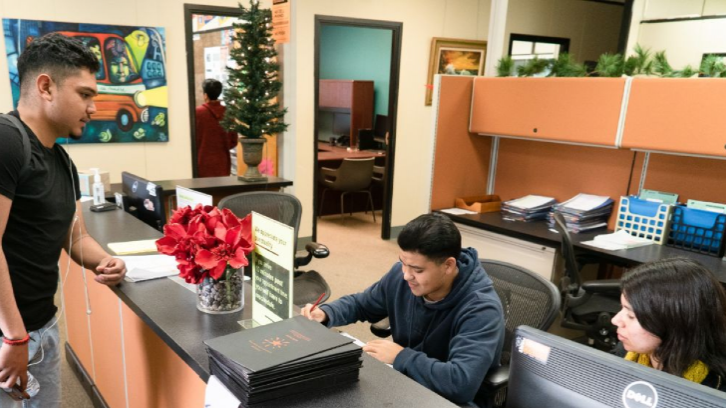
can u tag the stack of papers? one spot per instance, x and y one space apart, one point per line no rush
583 212
288 357
618 240
145 267
527 208
133 247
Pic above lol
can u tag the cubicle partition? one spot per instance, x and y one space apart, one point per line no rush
563 136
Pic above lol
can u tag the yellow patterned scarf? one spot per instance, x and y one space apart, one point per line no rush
697 372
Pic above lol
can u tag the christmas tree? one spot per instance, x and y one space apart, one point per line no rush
253 84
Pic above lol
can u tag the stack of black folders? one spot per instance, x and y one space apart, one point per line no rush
284 358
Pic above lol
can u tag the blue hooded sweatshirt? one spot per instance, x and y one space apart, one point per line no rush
449 345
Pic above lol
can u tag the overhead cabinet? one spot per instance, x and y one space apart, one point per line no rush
683 116
570 110
353 99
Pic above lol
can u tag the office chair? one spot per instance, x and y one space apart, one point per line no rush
353 176
587 306
527 299
286 208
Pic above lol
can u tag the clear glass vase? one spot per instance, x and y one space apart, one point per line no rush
224 295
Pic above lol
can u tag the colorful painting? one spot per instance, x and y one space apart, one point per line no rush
132 102
450 56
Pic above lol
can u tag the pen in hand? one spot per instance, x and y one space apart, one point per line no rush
317 301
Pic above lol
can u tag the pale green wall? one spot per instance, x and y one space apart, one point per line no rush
358 53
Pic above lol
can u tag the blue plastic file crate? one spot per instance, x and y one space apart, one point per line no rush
644 219
697 231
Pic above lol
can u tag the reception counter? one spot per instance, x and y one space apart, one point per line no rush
141 344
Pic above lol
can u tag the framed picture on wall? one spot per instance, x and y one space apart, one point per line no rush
452 56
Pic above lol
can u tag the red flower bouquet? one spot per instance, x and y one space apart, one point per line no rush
205 240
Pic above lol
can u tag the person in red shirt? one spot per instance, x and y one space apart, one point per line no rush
213 142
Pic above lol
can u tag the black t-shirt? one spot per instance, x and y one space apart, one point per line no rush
40 217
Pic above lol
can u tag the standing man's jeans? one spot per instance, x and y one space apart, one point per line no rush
47 371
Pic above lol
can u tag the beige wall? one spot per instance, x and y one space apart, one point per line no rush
422 20
593 28
156 161
685 42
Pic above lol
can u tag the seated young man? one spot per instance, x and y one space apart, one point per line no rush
446 319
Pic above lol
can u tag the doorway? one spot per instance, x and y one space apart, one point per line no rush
208 33
375 123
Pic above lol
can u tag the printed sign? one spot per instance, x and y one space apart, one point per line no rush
272 269
187 197
281 21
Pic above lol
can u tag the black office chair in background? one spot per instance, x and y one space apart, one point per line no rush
353 176
527 299
587 306
285 208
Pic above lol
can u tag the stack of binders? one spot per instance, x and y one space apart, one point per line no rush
527 208
583 212
289 357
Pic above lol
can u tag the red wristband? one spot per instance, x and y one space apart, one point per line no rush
19 342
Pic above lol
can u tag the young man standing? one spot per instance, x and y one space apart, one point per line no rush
213 142
40 212
446 319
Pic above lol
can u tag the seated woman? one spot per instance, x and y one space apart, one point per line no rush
674 320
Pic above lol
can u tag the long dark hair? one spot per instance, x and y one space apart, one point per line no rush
683 304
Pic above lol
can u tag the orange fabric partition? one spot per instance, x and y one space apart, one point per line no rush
677 115
461 159
157 377
690 177
574 110
561 171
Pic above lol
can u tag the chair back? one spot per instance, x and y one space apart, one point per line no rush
572 268
379 174
527 298
282 207
353 175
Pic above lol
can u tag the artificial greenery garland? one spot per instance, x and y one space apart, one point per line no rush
612 65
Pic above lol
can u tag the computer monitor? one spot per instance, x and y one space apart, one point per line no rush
143 200
341 124
550 371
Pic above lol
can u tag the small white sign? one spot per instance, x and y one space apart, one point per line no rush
272 269
219 396
187 197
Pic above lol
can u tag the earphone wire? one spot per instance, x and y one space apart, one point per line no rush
63 279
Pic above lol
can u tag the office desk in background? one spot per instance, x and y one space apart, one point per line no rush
142 345
331 157
538 232
328 153
217 187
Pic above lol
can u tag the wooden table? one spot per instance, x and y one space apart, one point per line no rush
328 153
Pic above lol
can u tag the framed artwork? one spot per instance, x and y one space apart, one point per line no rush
132 102
452 56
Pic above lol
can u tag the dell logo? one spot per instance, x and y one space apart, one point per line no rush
135 186
640 394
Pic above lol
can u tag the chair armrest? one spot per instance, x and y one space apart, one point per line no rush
328 173
496 379
381 328
312 250
603 287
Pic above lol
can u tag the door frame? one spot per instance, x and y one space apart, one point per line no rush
397 33
189 10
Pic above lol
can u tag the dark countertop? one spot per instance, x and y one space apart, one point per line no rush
170 311
219 184
538 232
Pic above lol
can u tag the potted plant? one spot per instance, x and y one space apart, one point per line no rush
252 110
211 247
